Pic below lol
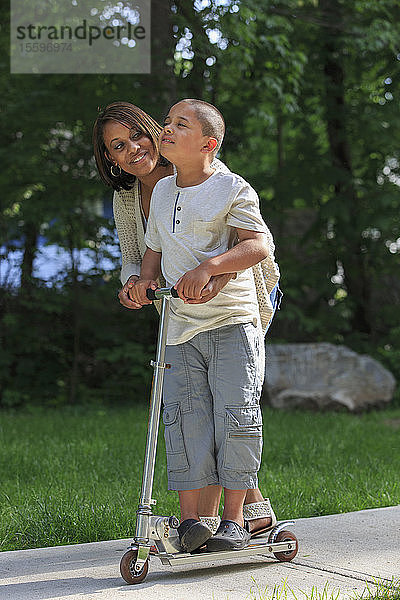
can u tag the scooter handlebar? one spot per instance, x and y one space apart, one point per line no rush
161 292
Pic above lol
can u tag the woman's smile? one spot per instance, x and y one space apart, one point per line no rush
138 159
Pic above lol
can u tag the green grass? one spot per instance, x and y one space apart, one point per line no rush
380 590
74 475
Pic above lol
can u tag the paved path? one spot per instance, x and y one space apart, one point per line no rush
344 551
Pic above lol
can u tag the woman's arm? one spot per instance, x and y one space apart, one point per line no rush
123 208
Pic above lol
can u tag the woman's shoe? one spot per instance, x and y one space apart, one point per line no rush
212 522
258 511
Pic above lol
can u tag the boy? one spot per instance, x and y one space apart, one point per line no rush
212 418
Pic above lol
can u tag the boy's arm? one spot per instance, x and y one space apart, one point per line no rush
251 249
149 272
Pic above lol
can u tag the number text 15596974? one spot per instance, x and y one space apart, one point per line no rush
45 47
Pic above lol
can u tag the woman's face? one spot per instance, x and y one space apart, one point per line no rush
131 149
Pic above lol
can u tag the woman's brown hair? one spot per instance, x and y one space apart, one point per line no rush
130 116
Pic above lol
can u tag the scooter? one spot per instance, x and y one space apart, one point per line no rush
160 532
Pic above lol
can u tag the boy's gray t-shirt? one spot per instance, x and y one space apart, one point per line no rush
188 225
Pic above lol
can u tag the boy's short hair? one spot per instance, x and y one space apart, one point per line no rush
210 119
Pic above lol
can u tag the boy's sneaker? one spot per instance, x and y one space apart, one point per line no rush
193 534
229 536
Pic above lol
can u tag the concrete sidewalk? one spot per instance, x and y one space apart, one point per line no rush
344 551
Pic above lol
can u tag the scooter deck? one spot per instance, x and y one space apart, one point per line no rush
261 546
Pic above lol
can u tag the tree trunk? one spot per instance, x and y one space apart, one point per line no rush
194 87
31 235
279 140
348 232
76 327
162 51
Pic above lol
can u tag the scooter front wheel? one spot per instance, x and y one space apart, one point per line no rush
127 568
286 536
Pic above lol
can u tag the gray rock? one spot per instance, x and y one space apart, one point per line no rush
324 376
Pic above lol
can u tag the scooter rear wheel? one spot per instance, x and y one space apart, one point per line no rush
127 568
286 536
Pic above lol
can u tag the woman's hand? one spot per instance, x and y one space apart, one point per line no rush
124 295
138 291
213 287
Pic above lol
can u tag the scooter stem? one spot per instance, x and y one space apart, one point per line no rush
144 511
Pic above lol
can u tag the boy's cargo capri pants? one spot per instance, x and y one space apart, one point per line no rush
212 417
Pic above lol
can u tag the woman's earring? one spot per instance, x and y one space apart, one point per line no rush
116 174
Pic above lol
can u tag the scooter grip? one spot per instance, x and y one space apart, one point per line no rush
157 294
151 294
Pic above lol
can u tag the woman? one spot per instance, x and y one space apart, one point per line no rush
125 141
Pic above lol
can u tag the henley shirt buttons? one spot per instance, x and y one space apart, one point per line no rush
178 207
177 222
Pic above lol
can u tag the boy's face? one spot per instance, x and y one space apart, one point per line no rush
182 139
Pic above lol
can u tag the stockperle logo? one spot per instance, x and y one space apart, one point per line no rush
80 36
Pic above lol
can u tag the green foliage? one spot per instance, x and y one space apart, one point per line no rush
44 364
318 163
309 92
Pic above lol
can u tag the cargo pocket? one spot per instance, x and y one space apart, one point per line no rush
174 444
243 438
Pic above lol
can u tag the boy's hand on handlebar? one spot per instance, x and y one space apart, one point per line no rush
138 292
213 287
191 285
